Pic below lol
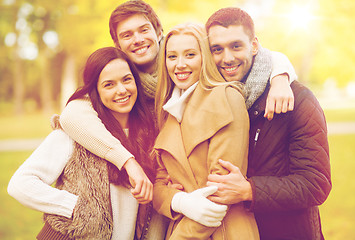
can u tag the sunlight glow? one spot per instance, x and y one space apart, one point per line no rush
300 17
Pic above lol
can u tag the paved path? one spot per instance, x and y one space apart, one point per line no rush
31 144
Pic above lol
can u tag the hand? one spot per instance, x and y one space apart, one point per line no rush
142 187
280 97
197 207
177 186
232 188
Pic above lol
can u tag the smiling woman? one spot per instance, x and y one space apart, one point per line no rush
93 199
117 89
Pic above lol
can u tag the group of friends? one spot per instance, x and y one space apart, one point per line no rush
197 134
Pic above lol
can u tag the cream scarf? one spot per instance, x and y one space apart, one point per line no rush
177 103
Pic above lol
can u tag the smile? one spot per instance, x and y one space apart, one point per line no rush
230 70
141 51
183 76
121 100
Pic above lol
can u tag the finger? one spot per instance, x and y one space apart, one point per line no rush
284 106
206 191
137 189
291 103
211 223
229 166
270 116
278 106
216 210
215 178
216 199
176 186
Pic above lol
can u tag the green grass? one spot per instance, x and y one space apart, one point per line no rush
17 222
337 213
28 126
340 115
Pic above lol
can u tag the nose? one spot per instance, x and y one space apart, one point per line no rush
181 63
138 38
228 57
120 89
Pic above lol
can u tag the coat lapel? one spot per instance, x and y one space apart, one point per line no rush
206 113
170 140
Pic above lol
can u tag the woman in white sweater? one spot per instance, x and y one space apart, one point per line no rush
93 199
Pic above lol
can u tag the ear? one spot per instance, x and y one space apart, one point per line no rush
255 46
160 36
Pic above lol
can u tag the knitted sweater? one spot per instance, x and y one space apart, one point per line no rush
31 186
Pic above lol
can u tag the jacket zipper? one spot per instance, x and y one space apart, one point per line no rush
256 137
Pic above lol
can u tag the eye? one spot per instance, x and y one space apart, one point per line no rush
128 79
126 35
216 50
146 29
171 57
236 46
108 85
190 55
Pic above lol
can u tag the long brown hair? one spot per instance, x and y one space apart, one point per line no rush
142 131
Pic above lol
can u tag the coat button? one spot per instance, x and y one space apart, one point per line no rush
256 113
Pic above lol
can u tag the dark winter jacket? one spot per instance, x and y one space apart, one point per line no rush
289 168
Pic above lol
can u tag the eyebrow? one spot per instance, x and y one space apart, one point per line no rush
130 30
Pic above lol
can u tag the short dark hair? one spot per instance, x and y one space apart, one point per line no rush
131 8
232 16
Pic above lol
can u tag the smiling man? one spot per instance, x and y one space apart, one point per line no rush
288 173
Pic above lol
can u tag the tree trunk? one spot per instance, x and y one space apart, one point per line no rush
19 86
69 83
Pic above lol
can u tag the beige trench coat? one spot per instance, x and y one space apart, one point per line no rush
215 126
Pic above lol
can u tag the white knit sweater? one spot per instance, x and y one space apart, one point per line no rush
31 186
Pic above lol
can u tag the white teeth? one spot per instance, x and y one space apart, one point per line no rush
122 100
230 69
182 75
141 50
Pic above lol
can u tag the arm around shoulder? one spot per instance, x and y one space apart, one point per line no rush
81 122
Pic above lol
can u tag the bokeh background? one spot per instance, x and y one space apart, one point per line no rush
44 45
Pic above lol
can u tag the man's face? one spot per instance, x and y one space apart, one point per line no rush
232 51
138 39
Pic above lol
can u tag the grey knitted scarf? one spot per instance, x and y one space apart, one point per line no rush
258 77
149 83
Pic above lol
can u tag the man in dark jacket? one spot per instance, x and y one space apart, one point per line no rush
289 170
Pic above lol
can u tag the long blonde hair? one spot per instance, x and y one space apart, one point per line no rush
209 76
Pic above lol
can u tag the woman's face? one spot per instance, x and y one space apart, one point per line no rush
117 88
183 60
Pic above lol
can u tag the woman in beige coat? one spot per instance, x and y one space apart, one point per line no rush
201 119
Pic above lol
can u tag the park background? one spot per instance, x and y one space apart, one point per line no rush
44 45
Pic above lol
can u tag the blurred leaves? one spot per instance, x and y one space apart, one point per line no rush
33 69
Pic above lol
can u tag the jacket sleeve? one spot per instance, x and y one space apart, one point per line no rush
308 182
31 183
280 65
162 194
81 122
